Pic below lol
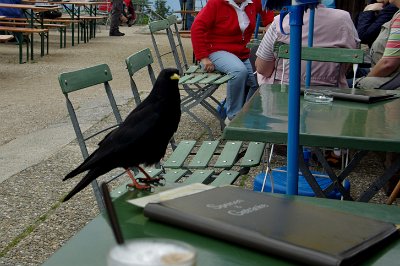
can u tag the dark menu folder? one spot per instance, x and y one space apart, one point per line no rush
357 95
295 230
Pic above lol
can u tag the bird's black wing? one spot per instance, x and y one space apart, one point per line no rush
120 140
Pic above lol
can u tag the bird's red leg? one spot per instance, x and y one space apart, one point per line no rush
149 179
135 184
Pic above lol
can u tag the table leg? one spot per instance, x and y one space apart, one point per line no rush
337 180
380 181
72 14
79 24
95 21
31 25
42 35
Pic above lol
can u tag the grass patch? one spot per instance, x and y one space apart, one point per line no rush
29 229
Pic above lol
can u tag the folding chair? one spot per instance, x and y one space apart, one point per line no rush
198 85
211 162
74 81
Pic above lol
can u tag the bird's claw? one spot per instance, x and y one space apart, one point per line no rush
154 181
140 187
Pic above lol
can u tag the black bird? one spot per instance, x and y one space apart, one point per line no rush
141 139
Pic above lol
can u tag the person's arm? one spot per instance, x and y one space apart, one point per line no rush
265 62
265 68
385 67
203 22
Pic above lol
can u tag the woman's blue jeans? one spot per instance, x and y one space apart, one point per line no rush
242 73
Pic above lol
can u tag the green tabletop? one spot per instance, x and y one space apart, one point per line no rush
92 244
341 124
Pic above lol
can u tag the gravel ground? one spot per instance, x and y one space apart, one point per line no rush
34 224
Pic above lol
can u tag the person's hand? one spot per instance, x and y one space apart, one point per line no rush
374 7
207 64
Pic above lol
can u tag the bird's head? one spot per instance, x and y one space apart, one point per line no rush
167 83
172 73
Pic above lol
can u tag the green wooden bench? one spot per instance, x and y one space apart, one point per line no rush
62 28
20 31
6 37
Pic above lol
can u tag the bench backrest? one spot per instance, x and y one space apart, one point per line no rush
320 54
135 63
337 55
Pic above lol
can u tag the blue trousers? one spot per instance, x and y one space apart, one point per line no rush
243 76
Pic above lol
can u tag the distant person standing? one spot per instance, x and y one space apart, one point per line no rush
116 12
187 5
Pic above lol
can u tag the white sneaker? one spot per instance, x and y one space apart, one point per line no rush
227 121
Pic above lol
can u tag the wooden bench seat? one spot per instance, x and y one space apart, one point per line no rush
5 38
64 20
20 31
62 28
13 19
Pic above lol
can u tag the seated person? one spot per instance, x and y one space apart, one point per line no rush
129 12
343 34
220 33
385 55
370 21
11 12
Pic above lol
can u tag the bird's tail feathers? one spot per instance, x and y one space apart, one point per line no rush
89 177
81 168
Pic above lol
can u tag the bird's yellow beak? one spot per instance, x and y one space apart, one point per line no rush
175 77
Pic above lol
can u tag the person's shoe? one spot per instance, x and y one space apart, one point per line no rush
227 121
116 33
131 22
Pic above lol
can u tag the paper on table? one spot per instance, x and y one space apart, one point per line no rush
170 194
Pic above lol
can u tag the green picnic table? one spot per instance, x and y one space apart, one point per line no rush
91 245
342 124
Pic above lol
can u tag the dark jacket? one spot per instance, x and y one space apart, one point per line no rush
369 23
11 12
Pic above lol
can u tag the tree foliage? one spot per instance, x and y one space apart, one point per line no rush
162 9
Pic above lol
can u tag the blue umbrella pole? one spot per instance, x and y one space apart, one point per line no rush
296 22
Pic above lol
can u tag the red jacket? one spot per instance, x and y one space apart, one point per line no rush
216 28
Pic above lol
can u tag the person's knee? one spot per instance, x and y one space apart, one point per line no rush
240 72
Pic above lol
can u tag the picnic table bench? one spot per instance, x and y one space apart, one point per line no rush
62 28
20 32
5 37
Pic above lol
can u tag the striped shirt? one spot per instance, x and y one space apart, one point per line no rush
392 48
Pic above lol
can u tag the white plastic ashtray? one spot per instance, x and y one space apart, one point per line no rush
152 252
315 96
